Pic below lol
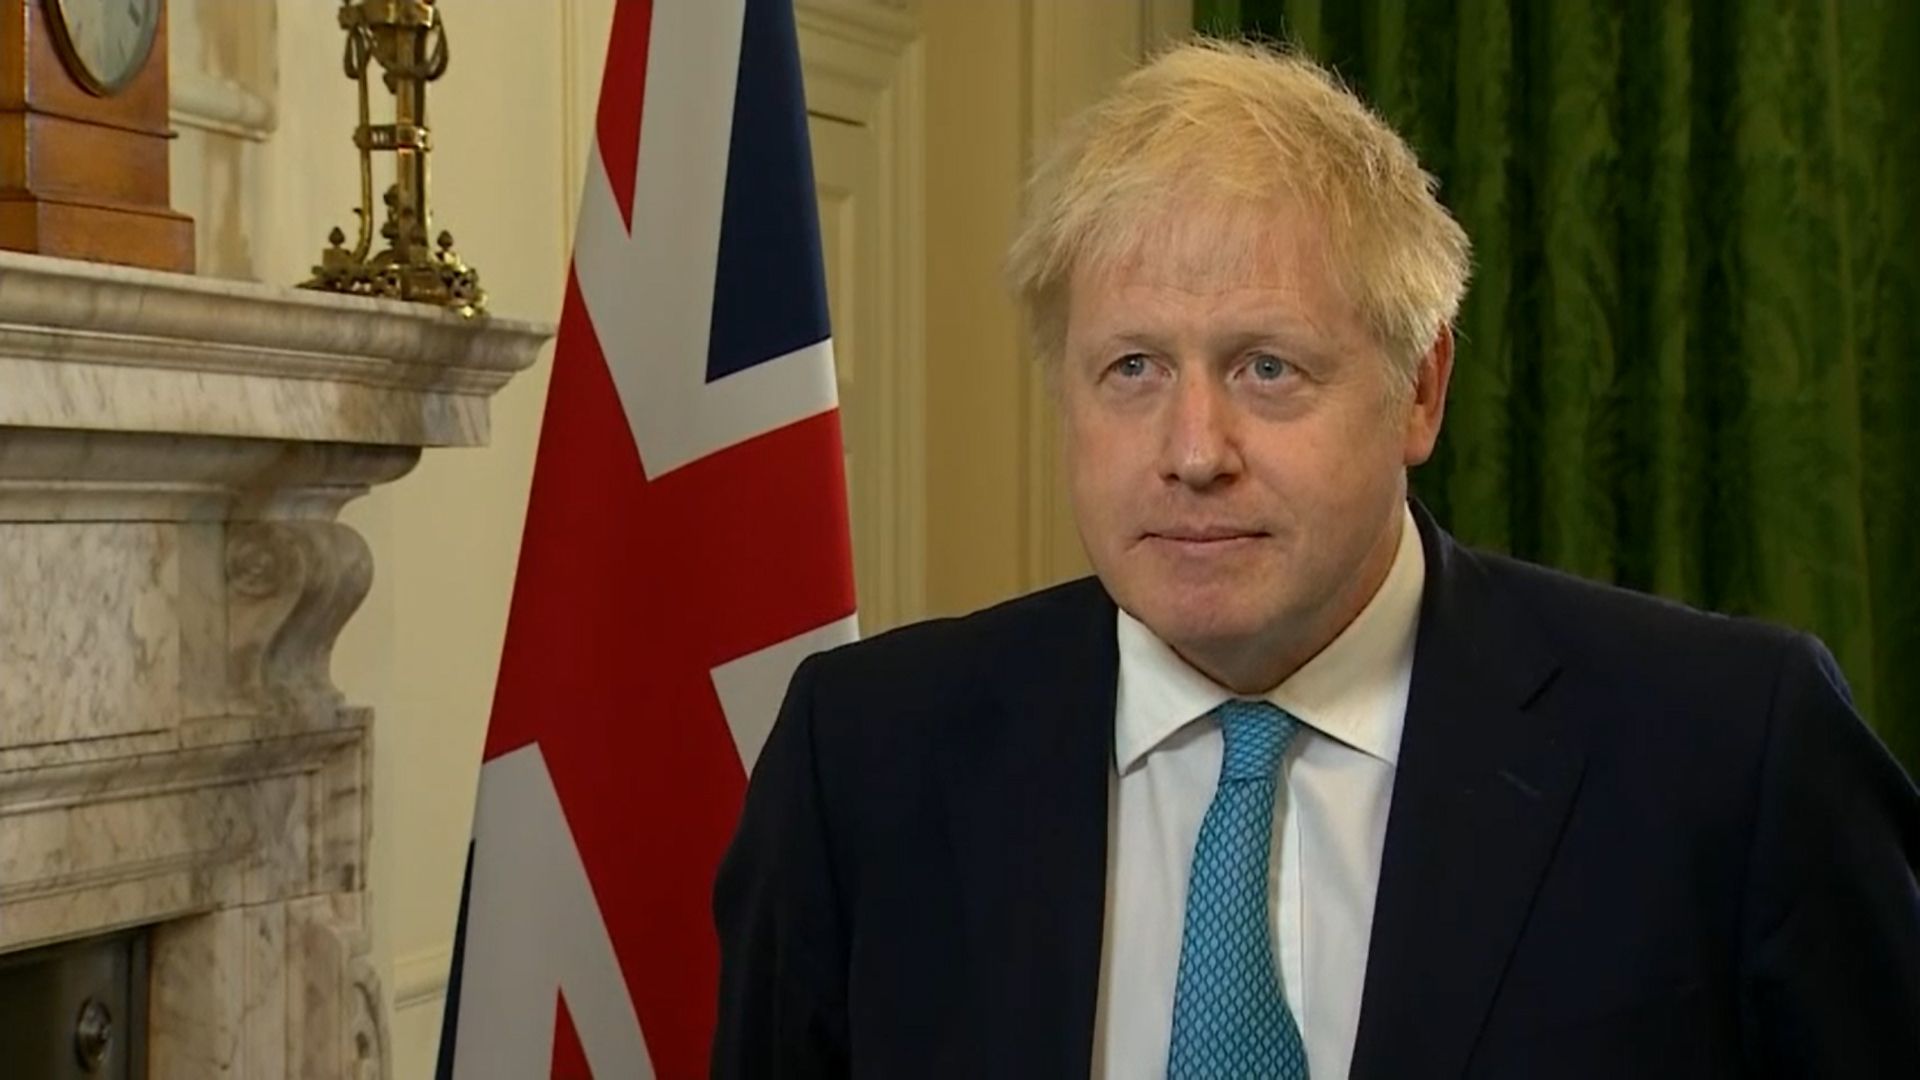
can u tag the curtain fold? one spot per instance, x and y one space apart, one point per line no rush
1688 358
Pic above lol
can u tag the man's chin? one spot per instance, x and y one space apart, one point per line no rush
1192 624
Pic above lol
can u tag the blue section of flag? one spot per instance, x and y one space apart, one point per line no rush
769 297
450 1010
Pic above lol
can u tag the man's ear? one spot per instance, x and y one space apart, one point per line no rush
1429 406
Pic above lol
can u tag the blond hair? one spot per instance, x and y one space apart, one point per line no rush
1226 130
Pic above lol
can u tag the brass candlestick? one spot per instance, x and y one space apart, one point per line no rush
409 40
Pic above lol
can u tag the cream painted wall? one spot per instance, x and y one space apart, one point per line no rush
1001 76
265 166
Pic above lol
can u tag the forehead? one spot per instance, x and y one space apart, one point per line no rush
1276 253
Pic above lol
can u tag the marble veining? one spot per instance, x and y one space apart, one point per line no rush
223 403
94 650
173 753
44 294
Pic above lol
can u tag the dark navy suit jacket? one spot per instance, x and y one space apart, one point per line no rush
1627 840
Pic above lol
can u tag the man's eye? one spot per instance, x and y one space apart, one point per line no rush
1130 367
1269 368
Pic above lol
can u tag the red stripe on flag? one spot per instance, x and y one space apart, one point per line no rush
569 1057
629 593
780 554
623 86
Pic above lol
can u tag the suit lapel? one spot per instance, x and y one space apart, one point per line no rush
1484 783
1027 796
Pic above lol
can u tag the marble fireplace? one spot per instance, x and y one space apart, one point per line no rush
177 768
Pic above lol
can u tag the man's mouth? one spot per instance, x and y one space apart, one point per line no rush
1205 534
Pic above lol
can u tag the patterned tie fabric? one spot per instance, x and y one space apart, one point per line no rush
1229 1017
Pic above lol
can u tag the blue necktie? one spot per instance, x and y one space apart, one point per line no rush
1229 1017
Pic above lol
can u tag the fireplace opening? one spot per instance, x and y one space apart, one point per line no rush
77 1009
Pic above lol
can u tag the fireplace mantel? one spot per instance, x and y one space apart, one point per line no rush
173 753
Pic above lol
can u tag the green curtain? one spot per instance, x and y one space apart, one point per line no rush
1689 360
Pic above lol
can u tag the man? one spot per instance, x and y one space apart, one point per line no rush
1296 786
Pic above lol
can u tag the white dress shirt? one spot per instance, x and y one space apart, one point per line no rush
1330 823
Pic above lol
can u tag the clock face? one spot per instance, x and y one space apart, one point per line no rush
105 42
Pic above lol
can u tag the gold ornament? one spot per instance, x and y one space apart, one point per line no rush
409 41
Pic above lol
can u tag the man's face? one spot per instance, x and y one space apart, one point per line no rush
1236 456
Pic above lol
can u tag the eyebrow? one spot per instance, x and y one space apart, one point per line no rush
1289 337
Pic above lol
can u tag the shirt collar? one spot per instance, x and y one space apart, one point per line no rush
1354 690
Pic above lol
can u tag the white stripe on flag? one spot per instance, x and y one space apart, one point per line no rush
751 687
650 292
534 930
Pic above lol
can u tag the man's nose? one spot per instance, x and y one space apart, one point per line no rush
1200 448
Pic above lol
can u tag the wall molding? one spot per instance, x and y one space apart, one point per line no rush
1063 73
1163 22
864 64
420 977
888 24
211 103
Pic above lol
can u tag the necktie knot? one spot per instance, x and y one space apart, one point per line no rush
1257 734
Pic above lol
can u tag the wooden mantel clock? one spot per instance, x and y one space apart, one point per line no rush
84 133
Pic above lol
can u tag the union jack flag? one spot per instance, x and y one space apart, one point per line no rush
686 546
